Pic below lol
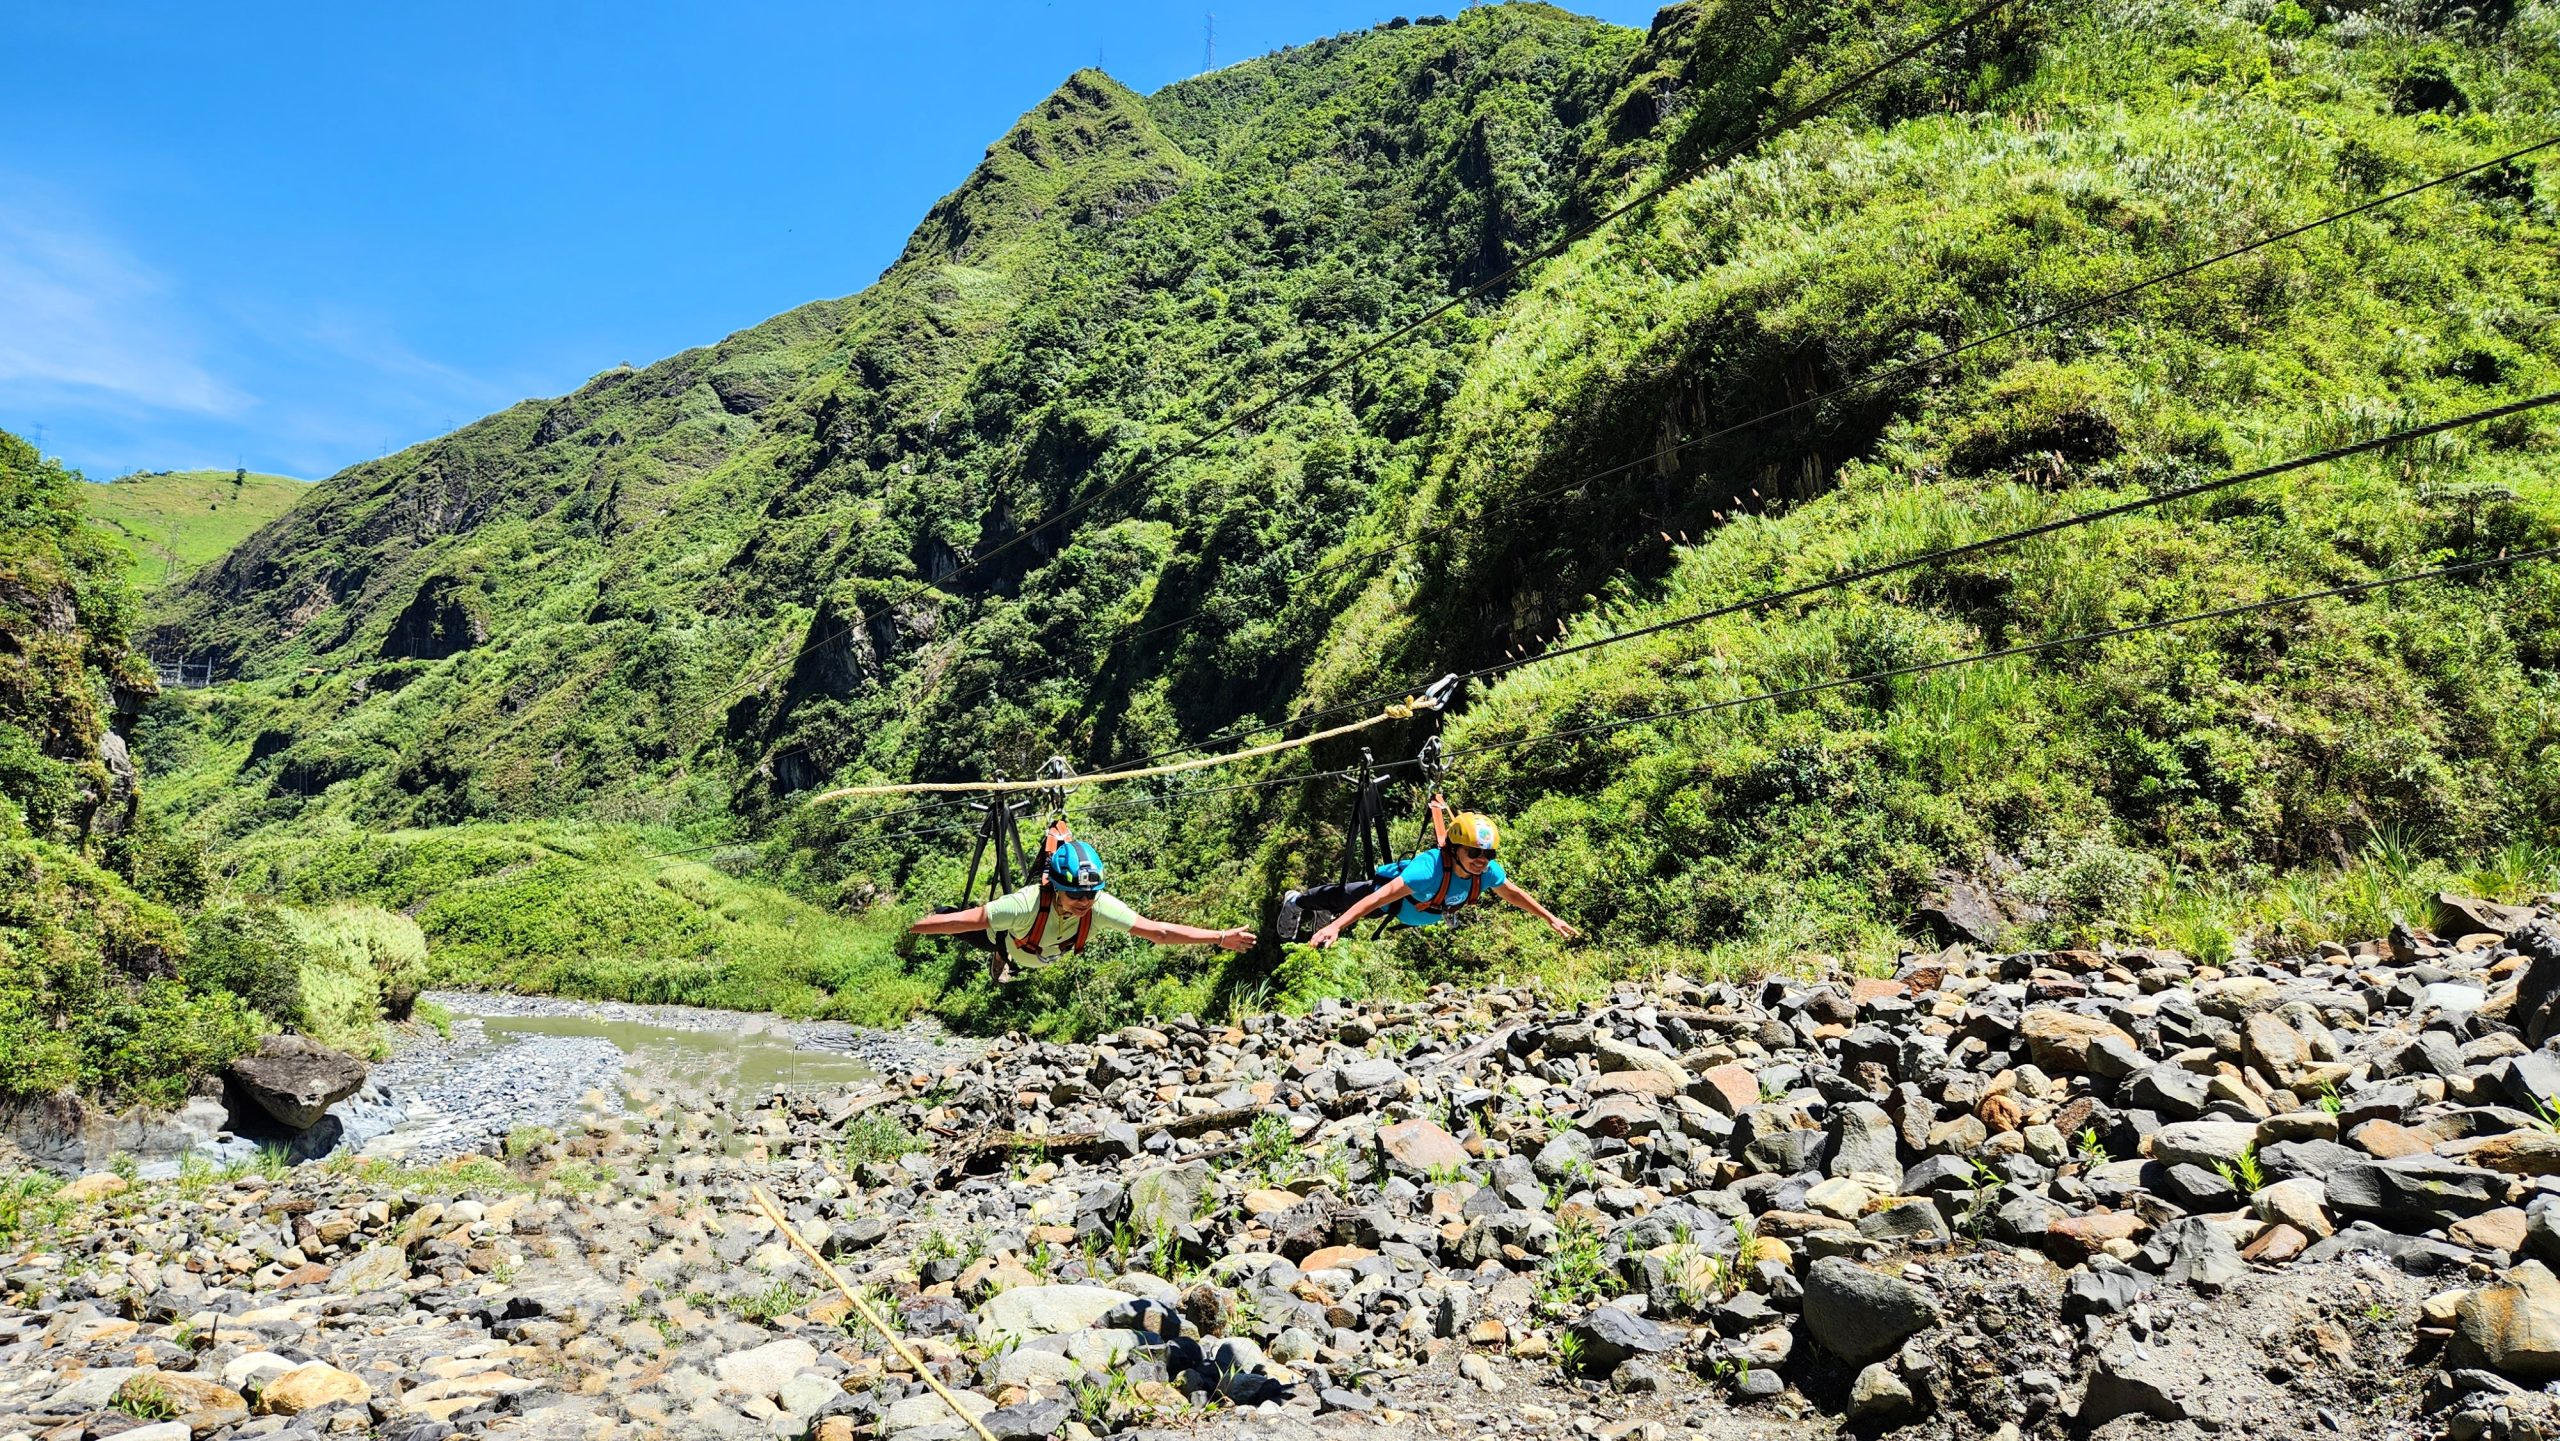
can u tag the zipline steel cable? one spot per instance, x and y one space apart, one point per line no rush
1907 563
1920 366
1943 553
1255 412
1913 562
1867 678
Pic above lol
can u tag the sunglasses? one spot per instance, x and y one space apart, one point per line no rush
1475 853
1079 893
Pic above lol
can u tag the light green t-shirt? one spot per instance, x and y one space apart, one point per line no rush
1010 915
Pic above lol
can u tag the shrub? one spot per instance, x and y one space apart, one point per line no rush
386 943
253 950
359 964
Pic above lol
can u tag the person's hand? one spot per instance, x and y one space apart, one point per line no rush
1238 939
1557 925
1326 937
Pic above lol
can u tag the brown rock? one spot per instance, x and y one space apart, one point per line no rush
311 1385
2517 1153
1634 1083
2062 1040
96 1186
1729 1088
1333 1256
2074 1239
1869 988
1420 1146
2274 1047
309 1273
2387 1140
2512 1328
177 1388
2001 1113
2276 1244
2498 1230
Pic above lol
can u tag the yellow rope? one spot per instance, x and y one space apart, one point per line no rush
1400 711
773 1212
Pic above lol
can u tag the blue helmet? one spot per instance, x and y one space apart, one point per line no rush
1075 868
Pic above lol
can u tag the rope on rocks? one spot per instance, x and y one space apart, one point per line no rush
773 1212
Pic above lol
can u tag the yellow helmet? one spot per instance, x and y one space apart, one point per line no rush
1474 828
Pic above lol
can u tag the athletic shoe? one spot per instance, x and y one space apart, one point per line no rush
1285 924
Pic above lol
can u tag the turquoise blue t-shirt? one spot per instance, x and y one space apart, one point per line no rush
1421 875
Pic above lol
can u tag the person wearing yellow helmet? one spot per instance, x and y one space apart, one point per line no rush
1465 867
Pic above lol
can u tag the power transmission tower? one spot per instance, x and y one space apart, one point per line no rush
1209 43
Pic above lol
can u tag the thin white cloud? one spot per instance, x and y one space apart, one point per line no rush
82 319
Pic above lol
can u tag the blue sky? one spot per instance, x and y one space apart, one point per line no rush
293 236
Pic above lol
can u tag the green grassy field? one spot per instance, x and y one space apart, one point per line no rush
177 520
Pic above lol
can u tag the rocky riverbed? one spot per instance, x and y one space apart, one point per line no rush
2055 1193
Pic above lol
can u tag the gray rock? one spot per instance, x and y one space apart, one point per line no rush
1861 1315
296 1080
2132 1379
1030 1421
2414 1191
1167 1199
2197 1253
1612 1334
763 1370
2092 1292
1376 1073
1878 1397
2208 1144
1863 1141
1031 1311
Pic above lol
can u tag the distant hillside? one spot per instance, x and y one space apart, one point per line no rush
177 520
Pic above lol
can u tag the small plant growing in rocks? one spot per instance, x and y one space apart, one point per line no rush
273 1163
146 1400
774 1301
1270 1149
27 1204
523 1141
875 1137
2244 1175
1572 1275
2091 1149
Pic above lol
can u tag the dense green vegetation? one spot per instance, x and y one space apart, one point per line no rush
495 675
124 974
175 521
89 988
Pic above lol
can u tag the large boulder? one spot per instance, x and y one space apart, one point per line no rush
1861 1315
296 1080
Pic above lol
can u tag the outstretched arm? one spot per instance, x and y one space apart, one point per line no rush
1527 902
955 923
1384 896
1166 933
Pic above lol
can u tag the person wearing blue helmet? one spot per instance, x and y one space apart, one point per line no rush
1060 912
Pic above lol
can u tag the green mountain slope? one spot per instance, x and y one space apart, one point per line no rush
689 595
175 521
